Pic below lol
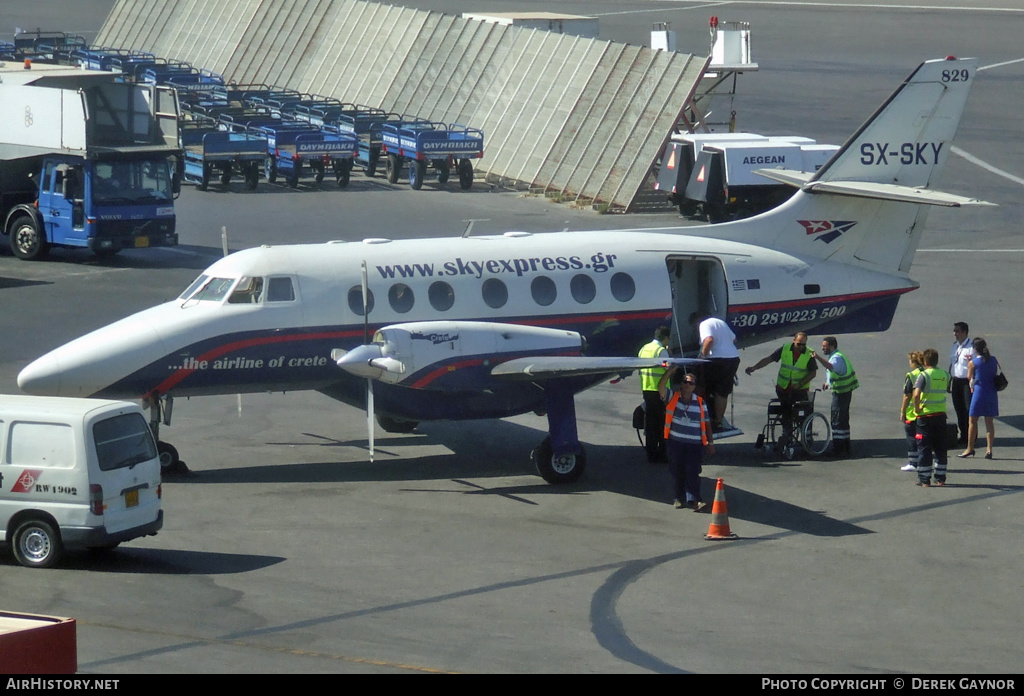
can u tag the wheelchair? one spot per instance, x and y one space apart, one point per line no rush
811 431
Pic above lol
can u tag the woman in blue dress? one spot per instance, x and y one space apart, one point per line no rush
981 372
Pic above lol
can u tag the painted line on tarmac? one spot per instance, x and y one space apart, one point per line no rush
1000 65
986 166
971 251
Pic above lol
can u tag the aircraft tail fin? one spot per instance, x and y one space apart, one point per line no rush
865 206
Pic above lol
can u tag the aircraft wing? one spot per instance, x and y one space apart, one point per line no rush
554 367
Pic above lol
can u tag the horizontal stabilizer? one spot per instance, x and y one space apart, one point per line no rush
553 367
869 189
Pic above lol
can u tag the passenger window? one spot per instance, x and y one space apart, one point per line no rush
41 445
623 287
355 300
400 298
280 290
582 288
494 292
441 296
543 290
248 291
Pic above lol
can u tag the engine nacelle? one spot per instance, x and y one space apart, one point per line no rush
409 353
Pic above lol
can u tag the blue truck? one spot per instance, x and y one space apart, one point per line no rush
423 143
86 161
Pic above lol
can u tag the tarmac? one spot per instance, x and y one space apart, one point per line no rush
287 551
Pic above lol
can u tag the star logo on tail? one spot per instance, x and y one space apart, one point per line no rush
827 230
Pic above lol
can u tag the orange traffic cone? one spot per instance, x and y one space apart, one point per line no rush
719 527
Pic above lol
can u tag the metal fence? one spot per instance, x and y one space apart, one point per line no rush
583 118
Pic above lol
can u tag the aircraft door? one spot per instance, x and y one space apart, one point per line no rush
698 285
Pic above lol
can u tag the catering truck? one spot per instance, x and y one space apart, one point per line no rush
86 160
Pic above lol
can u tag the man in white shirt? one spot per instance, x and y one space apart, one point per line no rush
960 355
717 344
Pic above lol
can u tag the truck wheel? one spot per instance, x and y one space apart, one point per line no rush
318 171
270 170
370 168
417 170
27 243
465 174
443 171
225 175
393 169
36 544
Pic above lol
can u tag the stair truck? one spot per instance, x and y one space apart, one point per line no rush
85 161
710 176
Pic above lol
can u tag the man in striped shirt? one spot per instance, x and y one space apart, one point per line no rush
687 435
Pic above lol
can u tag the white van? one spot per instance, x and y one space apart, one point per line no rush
75 473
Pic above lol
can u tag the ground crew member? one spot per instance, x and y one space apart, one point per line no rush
916 360
688 433
797 370
842 380
930 409
654 407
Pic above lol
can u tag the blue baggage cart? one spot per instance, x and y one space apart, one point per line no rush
427 143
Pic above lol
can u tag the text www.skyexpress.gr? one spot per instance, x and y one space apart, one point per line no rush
598 263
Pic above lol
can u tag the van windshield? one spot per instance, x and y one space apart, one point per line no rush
124 440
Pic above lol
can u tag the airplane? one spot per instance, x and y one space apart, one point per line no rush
497 325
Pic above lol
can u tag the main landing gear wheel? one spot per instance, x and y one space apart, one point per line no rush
564 469
37 544
170 463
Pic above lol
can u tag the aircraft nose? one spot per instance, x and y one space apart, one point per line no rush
101 362
42 377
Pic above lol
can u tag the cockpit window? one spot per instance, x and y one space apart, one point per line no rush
280 290
248 291
208 289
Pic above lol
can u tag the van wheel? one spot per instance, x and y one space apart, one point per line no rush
37 544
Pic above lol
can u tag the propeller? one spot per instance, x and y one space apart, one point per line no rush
366 342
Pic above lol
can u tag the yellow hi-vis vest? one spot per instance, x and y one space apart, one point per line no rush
933 396
843 383
649 377
912 376
794 375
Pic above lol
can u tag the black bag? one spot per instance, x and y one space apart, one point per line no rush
640 417
1000 380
